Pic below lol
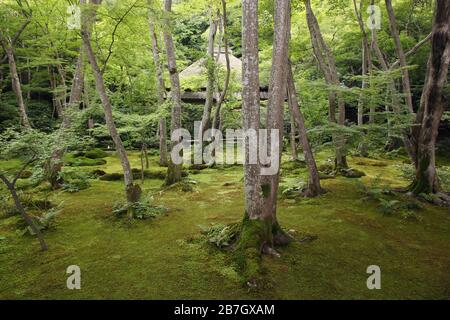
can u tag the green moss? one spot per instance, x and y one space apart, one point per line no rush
83 162
254 234
95 154
154 260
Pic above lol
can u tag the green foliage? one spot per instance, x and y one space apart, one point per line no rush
95 154
43 222
143 210
221 235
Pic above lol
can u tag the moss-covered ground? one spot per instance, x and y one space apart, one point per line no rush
157 259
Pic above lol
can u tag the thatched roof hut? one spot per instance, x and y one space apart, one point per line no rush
193 78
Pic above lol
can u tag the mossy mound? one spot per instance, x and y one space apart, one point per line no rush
351 173
137 174
326 168
85 162
292 167
96 154
98 173
370 162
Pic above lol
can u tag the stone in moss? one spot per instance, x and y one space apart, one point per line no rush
352 173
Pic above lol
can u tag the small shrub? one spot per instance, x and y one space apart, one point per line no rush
44 222
412 216
143 209
75 186
292 192
221 235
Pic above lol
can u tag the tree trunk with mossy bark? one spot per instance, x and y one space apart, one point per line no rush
433 104
133 191
173 170
260 231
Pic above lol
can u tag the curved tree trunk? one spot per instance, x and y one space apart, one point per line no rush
314 187
132 191
12 189
174 170
401 55
433 103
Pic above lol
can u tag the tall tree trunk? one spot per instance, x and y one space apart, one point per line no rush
293 136
57 106
401 55
209 61
217 114
162 143
174 170
275 114
328 65
433 103
132 191
76 90
366 60
156 59
7 46
314 187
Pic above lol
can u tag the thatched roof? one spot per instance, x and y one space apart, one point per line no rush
198 68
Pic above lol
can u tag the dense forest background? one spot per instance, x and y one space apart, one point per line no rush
91 92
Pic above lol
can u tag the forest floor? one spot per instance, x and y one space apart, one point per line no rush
160 258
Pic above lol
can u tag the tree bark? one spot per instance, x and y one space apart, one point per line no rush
328 65
217 114
314 187
433 103
78 81
157 60
401 55
366 63
162 143
293 136
7 46
12 189
275 114
132 191
174 170
209 61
